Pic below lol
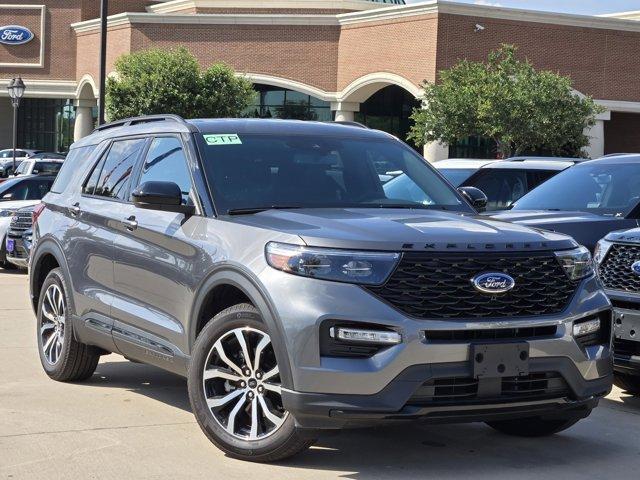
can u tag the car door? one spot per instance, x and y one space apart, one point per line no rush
88 241
157 264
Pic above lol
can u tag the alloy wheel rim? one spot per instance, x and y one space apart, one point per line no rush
242 385
52 324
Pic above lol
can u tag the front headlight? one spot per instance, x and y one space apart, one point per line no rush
577 263
7 213
367 268
601 250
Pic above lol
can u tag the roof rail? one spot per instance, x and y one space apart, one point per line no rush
125 122
349 124
545 159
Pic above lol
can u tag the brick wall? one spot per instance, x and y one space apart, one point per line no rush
602 63
60 42
304 53
406 47
88 47
622 133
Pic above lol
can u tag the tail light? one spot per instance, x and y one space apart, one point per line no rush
37 210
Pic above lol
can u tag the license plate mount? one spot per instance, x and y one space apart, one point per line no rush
500 360
11 245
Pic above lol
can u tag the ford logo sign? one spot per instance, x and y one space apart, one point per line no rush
15 35
635 267
493 282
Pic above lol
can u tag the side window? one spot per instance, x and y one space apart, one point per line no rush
115 170
166 162
70 167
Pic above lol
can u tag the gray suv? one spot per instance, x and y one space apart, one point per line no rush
264 261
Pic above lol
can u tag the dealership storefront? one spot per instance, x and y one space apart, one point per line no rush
361 60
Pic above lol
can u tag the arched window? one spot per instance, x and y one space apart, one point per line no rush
278 102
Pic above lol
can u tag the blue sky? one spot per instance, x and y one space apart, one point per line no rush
584 7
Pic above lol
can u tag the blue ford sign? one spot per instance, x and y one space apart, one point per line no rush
15 35
493 282
635 267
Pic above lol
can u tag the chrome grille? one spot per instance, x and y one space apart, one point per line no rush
615 271
21 221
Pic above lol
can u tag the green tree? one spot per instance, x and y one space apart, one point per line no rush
507 100
171 81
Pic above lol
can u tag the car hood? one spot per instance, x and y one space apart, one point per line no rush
539 218
395 229
630 236
587 228
15 204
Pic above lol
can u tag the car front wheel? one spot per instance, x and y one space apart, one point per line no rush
235 389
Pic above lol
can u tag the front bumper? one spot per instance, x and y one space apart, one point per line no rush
398 400
332 392
626 332
19 256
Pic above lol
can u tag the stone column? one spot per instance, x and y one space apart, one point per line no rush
83 125
345 111
596 136
436 151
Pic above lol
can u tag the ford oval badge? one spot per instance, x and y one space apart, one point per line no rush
635 267
493 282
15 35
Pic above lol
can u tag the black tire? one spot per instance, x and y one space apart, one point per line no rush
75 361
533 427
285 441
628 383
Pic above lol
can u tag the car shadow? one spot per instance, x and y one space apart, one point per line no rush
626 402
144 380
406 450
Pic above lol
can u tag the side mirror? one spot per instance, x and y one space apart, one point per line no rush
164 196
475 196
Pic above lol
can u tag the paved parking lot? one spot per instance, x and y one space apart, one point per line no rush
133 421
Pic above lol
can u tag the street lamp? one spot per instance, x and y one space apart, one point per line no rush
16 90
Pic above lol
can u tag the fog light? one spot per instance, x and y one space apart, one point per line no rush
585 328
365 336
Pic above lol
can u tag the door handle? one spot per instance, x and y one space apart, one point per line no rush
130 223
74 210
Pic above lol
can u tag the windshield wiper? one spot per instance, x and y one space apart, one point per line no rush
251 210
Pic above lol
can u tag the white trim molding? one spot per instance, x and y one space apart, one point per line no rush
290 84
619 106
500 13
41 36
128 18
86 80
175 6
362 88
44 88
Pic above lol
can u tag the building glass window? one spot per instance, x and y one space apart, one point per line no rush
46 124
276 102
389 110
473 147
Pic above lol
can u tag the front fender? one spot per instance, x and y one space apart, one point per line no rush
245 281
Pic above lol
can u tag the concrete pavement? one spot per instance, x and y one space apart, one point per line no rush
134 421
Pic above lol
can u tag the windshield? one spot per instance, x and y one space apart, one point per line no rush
602 188
300 171
457 175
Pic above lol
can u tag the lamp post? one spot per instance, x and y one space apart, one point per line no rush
104 11
16 90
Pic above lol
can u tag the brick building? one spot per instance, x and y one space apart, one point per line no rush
316 59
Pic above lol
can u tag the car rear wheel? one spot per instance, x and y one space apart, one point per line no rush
628 383
533 427
235 389
62 357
